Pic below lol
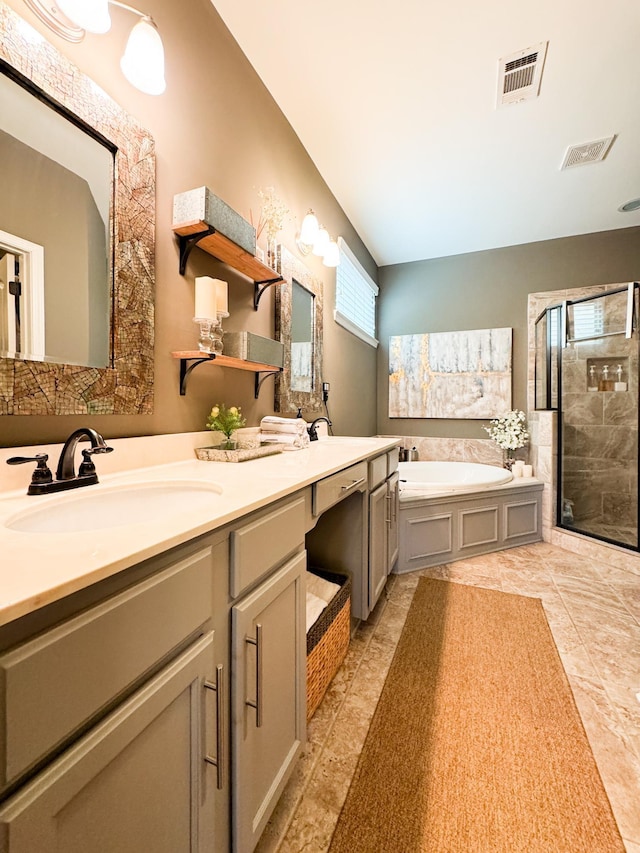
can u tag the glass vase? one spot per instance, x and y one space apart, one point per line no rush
229 444
508 458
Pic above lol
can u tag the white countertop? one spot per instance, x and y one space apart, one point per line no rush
37 569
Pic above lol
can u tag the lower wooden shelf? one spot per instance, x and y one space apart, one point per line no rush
189 359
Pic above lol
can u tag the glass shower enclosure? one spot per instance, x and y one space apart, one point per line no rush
587 356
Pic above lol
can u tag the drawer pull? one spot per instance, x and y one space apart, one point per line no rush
218 762
353 484
257 704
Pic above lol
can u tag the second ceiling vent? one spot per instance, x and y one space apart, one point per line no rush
519 74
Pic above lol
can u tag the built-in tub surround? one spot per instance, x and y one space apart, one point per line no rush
445 524
39 569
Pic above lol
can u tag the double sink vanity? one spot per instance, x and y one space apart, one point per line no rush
152 639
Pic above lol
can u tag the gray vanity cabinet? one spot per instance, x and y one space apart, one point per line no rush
378 543
268 665
383 522
393 526
111 730
135 782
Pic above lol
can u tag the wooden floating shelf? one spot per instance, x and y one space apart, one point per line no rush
226 250
192 358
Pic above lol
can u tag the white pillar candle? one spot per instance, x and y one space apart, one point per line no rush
222 296
206 303
527 470
517 468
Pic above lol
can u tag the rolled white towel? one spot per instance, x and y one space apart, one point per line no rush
315 606
298 426
324 589
289 441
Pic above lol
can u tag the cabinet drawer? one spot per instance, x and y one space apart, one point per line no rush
332 489
377 471
263 544
50 686
393 457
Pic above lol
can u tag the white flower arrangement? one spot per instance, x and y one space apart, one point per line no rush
510 431
273 213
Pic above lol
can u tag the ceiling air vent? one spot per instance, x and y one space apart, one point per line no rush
588 152
520 73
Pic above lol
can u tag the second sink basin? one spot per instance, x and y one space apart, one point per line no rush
101 507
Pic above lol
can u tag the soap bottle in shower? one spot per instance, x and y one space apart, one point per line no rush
619 385
592 384
605 383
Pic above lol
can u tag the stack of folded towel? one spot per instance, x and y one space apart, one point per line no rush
290 432
319 594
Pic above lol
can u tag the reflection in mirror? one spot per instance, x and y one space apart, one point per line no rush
55 242
299 327
98 157
302 310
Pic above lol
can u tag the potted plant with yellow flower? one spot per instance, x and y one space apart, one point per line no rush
227 421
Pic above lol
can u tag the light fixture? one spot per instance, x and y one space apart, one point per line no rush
143 60
308 232
630 206
314 238
321 242
332 255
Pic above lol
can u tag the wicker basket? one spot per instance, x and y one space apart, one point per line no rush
328 640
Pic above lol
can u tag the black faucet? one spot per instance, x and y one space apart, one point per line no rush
312 428
42 482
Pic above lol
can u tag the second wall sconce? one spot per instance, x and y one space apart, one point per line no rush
313 237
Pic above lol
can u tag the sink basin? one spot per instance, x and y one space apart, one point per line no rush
101 507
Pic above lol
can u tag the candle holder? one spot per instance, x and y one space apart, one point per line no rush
217 332
205 335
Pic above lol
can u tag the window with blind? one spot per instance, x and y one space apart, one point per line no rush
356 294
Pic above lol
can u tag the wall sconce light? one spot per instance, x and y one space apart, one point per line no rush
143 60
314 238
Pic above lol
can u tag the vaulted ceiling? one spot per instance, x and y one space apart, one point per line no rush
396 105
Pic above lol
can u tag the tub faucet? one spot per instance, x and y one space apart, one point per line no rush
42 482
312 428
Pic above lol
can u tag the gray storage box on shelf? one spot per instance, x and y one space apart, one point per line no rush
252 347
328 640
202 205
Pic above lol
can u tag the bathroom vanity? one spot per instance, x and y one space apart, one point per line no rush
153 675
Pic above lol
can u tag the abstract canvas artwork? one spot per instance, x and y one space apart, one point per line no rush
450 374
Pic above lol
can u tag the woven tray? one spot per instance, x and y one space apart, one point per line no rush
328 640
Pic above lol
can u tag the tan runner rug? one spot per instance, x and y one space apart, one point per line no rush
476 745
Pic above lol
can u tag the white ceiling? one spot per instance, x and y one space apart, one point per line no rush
395 103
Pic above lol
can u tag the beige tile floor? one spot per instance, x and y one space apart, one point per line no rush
594 612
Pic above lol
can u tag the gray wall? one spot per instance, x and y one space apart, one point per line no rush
489 289
216 125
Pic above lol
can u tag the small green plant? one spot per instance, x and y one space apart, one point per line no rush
225 420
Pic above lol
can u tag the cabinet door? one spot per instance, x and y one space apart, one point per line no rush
378 538
393 496
137 781
268 697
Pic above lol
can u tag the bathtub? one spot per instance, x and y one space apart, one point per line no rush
450 476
